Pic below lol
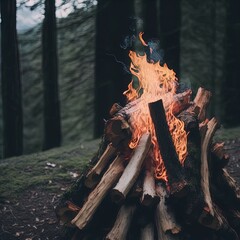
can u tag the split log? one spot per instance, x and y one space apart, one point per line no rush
93 176
209 217
97 195
122 223
137 189
115 109
132 170
202 100
149 196
116 130
147 233
212 127
176 178
179 102
165 218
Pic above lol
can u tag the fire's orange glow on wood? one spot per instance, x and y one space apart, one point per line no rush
152 82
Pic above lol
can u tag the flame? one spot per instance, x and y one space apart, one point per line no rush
152 82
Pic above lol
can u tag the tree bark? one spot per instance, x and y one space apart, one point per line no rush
202 100
52 119
95 198
111 60
11 82
122 223
93 176
149 196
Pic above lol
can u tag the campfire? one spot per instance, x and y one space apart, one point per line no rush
158 174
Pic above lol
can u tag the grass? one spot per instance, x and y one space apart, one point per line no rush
224 134
21 173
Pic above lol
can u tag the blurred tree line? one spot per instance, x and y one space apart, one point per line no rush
200 39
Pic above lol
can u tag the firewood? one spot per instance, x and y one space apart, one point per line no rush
195 201
116 130
97 195
219 157
176 177
93 176
147 233
165 218
209 216
202 100
122 223
132 170
114 109
212 127
228 190
149 196
179 102
137 189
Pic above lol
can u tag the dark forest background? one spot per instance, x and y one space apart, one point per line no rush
60 78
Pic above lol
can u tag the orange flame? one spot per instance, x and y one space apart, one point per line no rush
152 82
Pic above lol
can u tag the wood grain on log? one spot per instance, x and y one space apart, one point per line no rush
202 100
212 127
116 130
93 176
122 223
149 196
147 233
179 102
97 195
132 170
114 109
165 218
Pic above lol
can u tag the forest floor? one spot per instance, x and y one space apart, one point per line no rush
31 185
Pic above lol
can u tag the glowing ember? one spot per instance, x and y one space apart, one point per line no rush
152 82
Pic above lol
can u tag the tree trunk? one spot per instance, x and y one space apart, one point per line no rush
170 15
111 61
11 82
52 121
231 84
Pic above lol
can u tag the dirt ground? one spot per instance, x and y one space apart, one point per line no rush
31 216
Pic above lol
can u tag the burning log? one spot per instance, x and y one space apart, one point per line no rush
132 170
93 176
179 102
176 177
96 196
149 196
122 223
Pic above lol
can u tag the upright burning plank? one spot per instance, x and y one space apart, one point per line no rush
176 178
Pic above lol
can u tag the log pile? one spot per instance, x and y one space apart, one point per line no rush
119 197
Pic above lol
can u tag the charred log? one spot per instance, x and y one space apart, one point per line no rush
176 177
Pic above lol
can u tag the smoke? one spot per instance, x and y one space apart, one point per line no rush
131 42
